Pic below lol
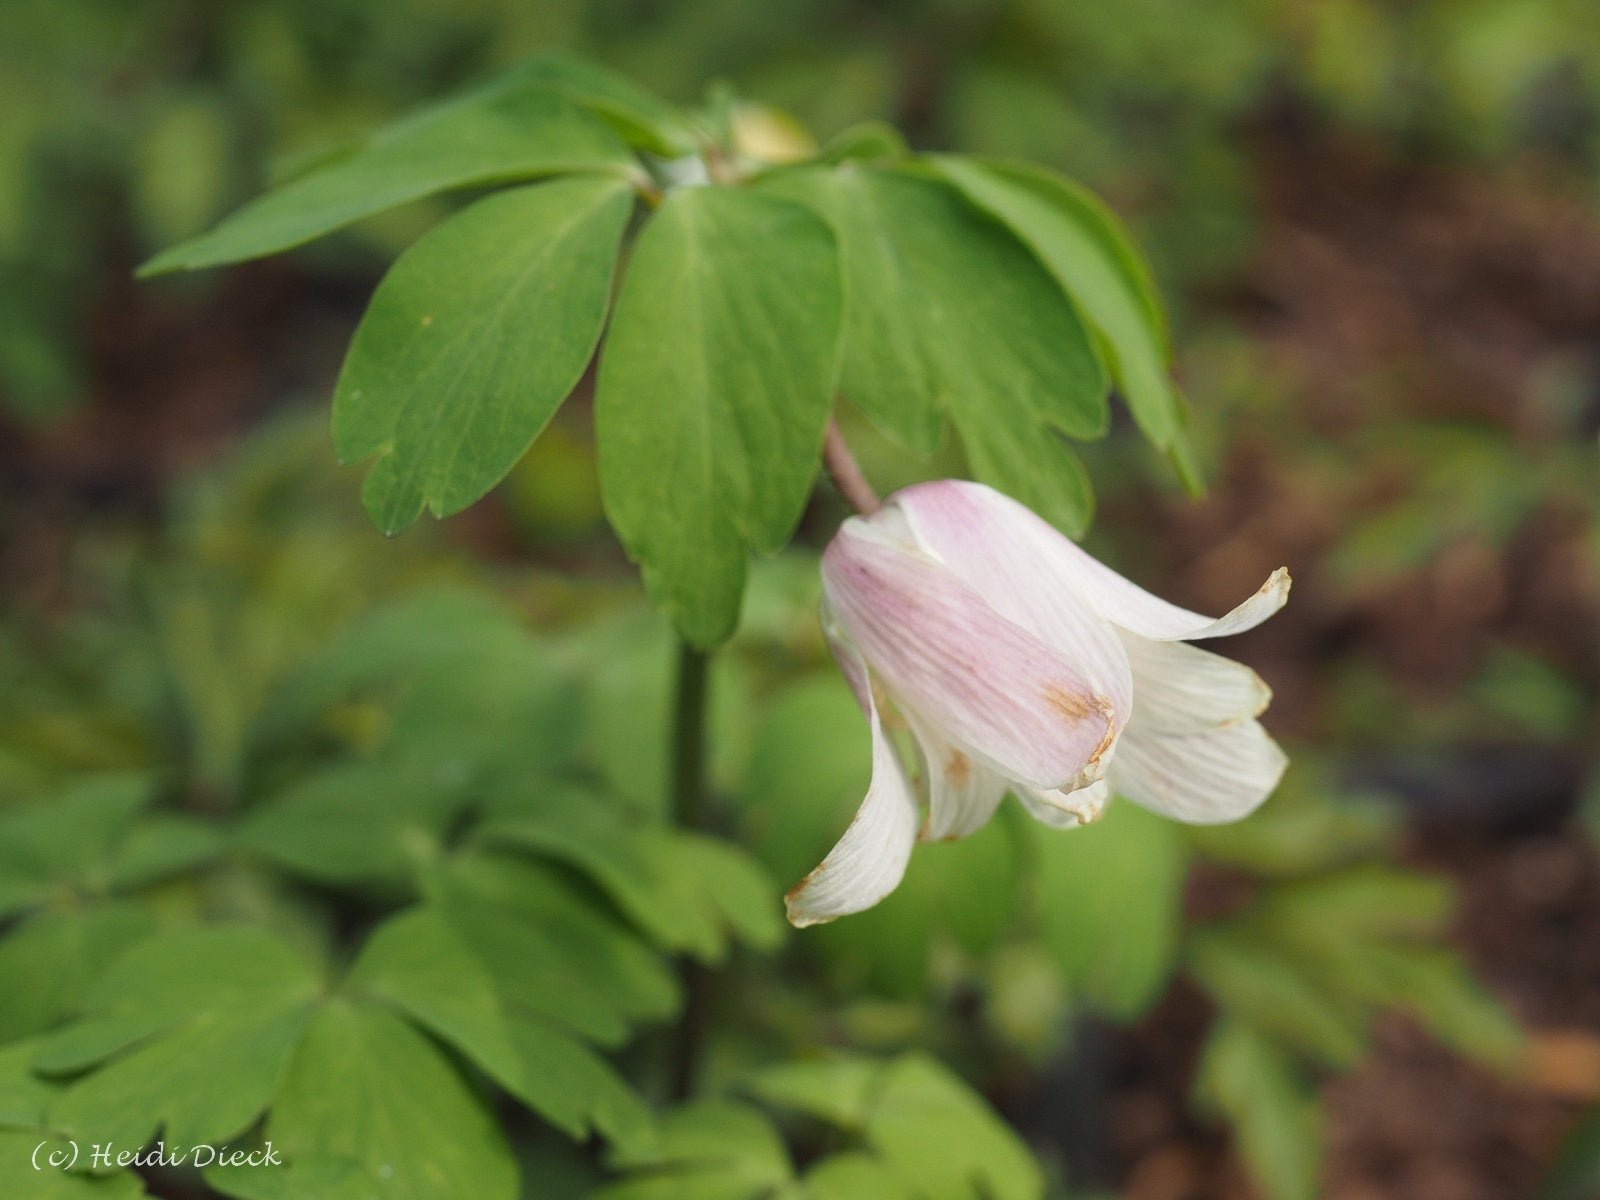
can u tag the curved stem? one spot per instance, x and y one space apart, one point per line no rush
846 472
688 806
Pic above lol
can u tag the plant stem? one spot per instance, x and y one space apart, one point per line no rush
846 472
689 737
689 768
688 806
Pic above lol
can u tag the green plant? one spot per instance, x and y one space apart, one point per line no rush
372 867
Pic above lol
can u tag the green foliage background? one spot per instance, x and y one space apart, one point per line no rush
408 809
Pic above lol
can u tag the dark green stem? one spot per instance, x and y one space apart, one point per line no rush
688 806
689 738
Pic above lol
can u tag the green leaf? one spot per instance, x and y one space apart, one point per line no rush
1110 904
1313 957
355 822
708 1150
455 697
925 1134
499 135
867 141
628 668
928 1129
18 1177
487 722
65 840
1251 977
373 1108
808 772
853 1176
472 341
1085 248
417 962
294 1179
1300 832
948 314
24 1096
201 1023
709 1130
715 384
425 634
640 118
553 950
838 1089
47 961
944 1141
159 846
1366 901
1273 1109
1434 985
468 691
890 947
1023 458
725 1180
685 890
733 886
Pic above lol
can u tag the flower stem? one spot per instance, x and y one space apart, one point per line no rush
689 737
688 806
846 472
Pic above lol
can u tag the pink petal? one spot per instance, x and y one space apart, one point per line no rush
1008 556
990 686
1179 688
848 660
972 512
869 861
1066 810
1205 778
962 793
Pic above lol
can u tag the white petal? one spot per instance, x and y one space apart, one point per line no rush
1205 778
1010 557
869 861
1178 688
850 664
987 685
1066 810
978 509
962 793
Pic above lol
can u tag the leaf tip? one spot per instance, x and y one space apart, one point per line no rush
165 263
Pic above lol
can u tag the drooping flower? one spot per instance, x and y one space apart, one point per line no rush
1018 663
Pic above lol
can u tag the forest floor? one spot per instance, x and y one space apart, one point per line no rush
1387 292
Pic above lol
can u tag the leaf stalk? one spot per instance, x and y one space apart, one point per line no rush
688 806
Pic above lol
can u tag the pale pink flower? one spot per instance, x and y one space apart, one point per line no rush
1019 663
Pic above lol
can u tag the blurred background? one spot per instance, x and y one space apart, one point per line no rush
1376 225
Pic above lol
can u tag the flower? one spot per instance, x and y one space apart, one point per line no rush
1019 663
